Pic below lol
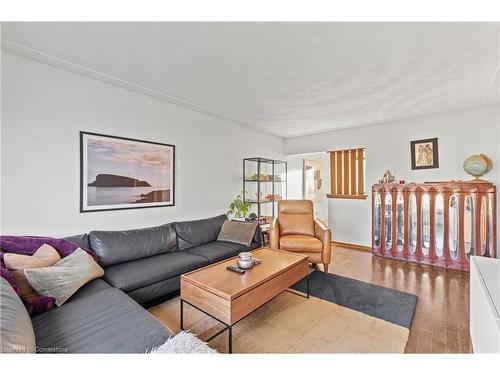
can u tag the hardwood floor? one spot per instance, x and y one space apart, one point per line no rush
441 321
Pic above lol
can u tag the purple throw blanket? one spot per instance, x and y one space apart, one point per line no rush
27 245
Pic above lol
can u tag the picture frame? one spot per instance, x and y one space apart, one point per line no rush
424 154
118 173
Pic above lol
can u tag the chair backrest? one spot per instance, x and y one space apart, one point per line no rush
296 216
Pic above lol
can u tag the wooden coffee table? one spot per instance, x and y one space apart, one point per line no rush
228 297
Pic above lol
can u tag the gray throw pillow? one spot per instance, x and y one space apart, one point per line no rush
238 232
65 277
16 333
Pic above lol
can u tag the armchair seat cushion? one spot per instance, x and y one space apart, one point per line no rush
300 243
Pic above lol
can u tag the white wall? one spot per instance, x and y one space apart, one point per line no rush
43 110
461 134
295 180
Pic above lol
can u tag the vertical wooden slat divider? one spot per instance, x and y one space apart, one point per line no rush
346 171
338 157
361 182
352 155
332 173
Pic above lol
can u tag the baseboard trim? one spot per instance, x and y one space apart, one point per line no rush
353 246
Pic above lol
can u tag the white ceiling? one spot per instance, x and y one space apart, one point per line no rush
287 79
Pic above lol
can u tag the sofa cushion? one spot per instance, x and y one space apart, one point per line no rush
45 256
107 321
217 250
237 232
6 275
257 237
16 333
81 240
91 287
197 232
138 273
115 247
63 279
150 295
296 216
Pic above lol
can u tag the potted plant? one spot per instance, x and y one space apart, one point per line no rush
238 207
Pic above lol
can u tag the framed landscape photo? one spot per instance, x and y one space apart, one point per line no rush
424 154
121 173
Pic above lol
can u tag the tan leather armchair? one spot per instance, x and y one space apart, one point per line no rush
296 230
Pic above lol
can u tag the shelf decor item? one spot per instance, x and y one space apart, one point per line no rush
477 165
424 154
238 207
387 178
119 173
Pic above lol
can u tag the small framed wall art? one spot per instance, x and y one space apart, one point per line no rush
424 153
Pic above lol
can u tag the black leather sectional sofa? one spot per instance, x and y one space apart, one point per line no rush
141 266
147 263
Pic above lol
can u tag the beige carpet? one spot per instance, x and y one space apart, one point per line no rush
293 324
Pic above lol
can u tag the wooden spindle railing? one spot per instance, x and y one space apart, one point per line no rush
460 217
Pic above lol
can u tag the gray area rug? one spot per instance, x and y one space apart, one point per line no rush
384 303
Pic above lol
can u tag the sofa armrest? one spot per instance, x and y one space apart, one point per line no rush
324 234
257 237
274 234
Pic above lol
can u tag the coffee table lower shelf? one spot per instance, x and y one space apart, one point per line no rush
228 327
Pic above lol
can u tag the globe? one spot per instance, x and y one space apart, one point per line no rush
477 165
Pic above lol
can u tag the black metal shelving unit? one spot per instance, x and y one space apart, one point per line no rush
264 176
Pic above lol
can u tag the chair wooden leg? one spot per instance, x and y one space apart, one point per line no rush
325 265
